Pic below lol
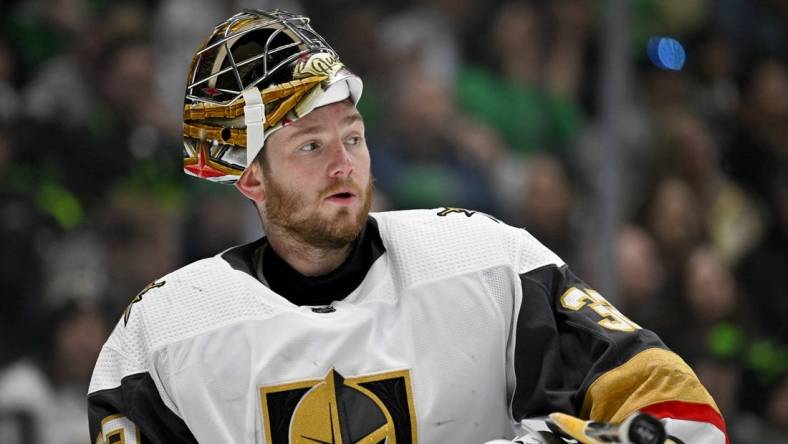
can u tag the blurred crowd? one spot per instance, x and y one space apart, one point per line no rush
492 106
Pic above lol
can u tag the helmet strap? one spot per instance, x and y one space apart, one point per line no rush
254 116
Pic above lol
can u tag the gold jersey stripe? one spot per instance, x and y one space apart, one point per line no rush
652 376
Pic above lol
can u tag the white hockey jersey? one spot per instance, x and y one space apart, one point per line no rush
460 329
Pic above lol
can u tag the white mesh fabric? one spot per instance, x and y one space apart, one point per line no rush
193 300
126 352
526 252
201 297
499 285
425 246
111 367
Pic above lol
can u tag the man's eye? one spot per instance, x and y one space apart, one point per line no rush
311 146
355 140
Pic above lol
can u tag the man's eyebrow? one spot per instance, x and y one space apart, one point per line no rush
314 129
351 119
307 130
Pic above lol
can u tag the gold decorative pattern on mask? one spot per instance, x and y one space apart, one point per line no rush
280 98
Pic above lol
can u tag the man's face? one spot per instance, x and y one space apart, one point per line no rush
318 186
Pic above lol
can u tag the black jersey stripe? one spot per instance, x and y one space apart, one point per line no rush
138 399
559 352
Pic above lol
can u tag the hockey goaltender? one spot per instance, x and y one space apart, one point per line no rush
341 326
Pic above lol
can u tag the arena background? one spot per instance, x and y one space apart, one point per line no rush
666 190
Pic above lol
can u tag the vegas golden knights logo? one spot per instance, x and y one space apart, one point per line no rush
374 409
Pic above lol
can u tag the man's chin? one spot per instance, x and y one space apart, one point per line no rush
346 222
335 230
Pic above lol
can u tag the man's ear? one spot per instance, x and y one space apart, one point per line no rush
251 183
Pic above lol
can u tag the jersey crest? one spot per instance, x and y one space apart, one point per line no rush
149 287
337 410
445 211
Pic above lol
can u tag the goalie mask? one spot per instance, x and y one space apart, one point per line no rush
257 71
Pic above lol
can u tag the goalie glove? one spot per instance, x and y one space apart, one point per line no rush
638 428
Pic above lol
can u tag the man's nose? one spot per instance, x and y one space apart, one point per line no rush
341 162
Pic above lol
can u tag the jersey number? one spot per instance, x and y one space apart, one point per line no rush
612 319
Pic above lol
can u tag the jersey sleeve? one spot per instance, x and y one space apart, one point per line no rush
576 353
124 402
